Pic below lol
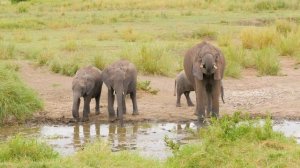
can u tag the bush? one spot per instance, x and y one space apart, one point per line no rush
20 148
237 141
16 99
151 59
267 62
145 86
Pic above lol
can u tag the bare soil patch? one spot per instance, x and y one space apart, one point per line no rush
277 95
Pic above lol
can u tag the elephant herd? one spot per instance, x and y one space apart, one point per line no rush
204 66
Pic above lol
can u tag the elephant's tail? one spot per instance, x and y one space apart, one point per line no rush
222 93
175 89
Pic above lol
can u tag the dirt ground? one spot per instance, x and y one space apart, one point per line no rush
277 95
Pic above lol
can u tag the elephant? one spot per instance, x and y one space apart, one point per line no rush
87 83
204 66
183 86
120 79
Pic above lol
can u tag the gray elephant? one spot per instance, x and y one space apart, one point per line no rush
120 79
183 86
204 66
87 83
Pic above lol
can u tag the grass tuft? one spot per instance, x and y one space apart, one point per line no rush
145 86
129 35
20 148
267 62
16 99
7 51
204 32
258 38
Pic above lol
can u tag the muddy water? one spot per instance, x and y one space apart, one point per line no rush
146 138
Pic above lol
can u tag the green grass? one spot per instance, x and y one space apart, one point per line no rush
238 142
16 99
7 51
232 141
267 62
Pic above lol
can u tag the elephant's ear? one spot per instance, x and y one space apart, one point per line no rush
217 74
197 72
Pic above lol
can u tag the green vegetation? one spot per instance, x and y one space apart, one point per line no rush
66 35
232 141
145 86
16 99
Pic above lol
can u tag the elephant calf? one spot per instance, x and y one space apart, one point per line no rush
87 83
183 86
120 79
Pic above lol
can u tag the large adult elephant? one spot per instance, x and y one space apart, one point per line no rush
204 66
87 83
120 79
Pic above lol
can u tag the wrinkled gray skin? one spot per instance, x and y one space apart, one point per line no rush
204 66
87 83
120 79
183 86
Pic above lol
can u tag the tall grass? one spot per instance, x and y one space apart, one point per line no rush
20 148
16 99
258 37
288 45
238 141
151 59
267 62
7 51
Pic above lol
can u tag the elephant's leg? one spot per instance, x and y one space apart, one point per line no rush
208 105
75 109
97 108
134 103
200 108
124 105
188 99
110 104
86 108
215 98
178 104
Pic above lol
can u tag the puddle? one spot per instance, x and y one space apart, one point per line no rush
146 138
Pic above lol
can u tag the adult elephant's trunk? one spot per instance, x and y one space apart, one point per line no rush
120 112
76 103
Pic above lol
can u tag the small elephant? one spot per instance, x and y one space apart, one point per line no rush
183 86
204 66
120 79
87 83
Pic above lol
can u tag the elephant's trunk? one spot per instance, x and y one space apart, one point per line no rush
76 103
120 97
175 89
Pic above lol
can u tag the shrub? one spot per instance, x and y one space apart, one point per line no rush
267 62
145 86
258 38
16 99
20 148
288 45
151 59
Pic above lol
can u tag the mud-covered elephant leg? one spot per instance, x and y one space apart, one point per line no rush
75 109
110 105
86 108
178 104
188 99
134 103
215 98
200 107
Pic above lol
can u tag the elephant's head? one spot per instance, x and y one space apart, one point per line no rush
208 63
115 78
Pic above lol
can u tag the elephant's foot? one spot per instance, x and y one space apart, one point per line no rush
97 112
84 119
74 120
178 105
135 113
191 104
